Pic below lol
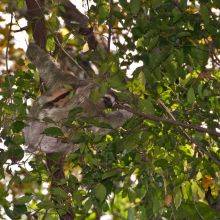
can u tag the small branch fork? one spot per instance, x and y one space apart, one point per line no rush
189 138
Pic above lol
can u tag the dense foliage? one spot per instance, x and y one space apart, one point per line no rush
159 167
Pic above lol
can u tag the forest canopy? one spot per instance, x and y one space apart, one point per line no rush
113 110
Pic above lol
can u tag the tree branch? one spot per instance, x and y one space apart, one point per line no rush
49 72
55 163
169 121
74 19
36 18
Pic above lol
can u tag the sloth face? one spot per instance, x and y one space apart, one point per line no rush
109 101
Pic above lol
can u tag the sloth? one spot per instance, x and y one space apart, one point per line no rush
64 92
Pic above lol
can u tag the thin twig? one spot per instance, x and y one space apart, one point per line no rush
110 26
172 116
39 5
8 43
59 43
87 2
198 212
21 29
7 57
216 59
214 56
67 54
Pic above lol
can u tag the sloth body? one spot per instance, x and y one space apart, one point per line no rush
65 92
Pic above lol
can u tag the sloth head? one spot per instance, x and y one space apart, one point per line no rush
109 100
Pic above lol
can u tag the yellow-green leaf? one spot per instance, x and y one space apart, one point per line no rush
191 96
100 192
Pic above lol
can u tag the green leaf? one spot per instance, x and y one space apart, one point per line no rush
110 174
79 137
131 214
123 3
200 90
78 196
141 42
9 213
216 3
22 200
73 112
171 69
20 209
156 3
191 96
187 149
156 201
54 22
176 14
186 190
50 43
96 95
204 13
53 132
103 13
117 82
179 56
15 153
18 126
200 55
161 163
137 86
153 43
143 215
135 6
97 123
100 192
146 106
183 34
45 205
87 205
72 182
177 198
196 191
58 193
61 8
98 92
21 4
